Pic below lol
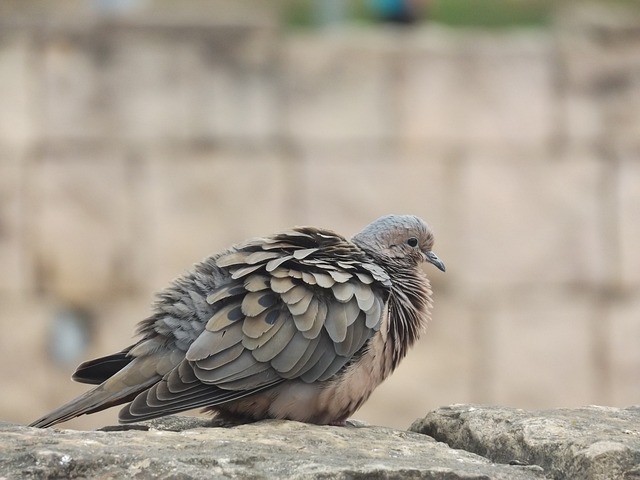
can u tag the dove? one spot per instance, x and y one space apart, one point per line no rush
300 325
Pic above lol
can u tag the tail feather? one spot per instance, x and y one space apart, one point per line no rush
137 376
99 370
95 400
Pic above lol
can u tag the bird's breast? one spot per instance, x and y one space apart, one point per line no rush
336 399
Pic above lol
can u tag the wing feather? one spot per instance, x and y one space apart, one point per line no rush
295 294
230 368
304 320
318 321
225 317
337 321
317 368
310 355
258 330
256 282
276 343
254 303
291 353
210 343
302 305
218 360
281 285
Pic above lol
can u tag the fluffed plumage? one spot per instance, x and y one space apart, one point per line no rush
301 325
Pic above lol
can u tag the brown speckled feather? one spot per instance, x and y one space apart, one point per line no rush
302 325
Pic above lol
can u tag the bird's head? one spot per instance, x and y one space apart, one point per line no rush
402 239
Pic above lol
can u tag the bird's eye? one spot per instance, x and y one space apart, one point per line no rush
412 242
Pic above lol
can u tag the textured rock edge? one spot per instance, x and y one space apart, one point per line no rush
588 443
471 442
187 447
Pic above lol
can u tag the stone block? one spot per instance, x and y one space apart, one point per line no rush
430 100
148 94
530 219
477 89
599 57
537 348
628 203
235 84
623 112
70 98
14 275
598 46
17 90
582 121
606 116
624 332
210 83
205 202
337 87
80 224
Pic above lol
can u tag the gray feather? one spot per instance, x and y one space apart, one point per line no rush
258 330
318 321
291 354
302 305
275 344
217 360
256 283
304 320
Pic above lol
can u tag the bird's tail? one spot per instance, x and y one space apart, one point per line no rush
122 387
95 400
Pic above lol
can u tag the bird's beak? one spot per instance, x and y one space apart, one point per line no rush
434 260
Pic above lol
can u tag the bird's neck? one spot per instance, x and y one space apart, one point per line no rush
409 311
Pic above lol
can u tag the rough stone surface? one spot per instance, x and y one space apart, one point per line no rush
589 443
189 448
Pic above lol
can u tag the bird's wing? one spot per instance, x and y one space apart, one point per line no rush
298 305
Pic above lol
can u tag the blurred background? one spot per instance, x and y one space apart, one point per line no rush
139 136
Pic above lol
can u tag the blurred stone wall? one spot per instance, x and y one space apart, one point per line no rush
131 148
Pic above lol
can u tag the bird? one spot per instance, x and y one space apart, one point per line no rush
300 325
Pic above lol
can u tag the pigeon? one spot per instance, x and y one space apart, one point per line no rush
300 325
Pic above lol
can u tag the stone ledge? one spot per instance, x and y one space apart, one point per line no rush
589 443
473 442
183 447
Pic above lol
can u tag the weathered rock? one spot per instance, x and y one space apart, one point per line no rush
589 443
188 448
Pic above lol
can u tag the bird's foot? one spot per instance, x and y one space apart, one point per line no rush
338 423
